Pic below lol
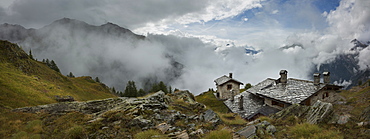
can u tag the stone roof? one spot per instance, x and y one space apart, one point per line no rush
292 92
251 104
225 79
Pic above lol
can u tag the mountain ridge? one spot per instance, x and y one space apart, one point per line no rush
27 82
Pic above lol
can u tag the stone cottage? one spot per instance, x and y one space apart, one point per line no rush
227 87
272 95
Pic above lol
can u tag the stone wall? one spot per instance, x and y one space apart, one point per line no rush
226 93
331 96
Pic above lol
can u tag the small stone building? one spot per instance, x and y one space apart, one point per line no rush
227 87
271 95
283 92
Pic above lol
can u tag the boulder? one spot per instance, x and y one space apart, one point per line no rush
248 131
211 116
164 127
319 112
186 96
343 119
271 129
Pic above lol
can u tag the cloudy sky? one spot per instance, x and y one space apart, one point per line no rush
324 27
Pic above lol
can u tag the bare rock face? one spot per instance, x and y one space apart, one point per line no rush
156 111
211 116
155 101
320 112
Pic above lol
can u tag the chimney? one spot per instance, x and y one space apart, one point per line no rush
283 76
232 95
231 75
326 77
241 102
316 78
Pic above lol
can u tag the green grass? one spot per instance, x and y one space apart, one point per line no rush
212 102
219 134
150 134
312 131
359 100
231 119
26 82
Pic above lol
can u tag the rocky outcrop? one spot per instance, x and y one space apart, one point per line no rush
156 101
211 116
156 111
320 112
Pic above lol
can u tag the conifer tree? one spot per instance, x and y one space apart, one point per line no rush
97 79
113 90
71 75
158 87
130 90
141 92
47 62
54 66
30 54
170 90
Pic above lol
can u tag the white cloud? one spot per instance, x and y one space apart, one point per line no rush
351 20
274 11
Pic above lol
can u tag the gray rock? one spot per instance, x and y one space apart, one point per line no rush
319 112
164 127
263 124
211 116
271 129
248 131
343 119
197 132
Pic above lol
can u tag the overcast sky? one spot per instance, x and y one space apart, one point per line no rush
259 23
324 27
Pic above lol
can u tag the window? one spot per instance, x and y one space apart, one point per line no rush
325 95
277 103
229 87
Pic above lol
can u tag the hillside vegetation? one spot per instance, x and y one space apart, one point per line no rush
27 82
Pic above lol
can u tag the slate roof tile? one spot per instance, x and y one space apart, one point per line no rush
294 91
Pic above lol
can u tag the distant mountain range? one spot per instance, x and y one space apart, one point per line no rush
74 44
345 67
69 42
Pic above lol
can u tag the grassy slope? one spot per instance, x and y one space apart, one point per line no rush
26 82
208 99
